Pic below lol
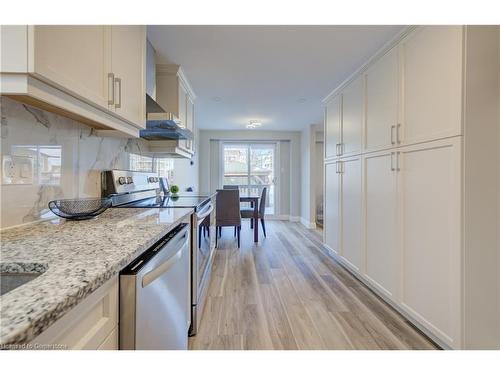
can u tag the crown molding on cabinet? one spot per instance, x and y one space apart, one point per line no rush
381 52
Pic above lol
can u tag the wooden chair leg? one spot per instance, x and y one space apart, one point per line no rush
263 227
199 239
235 231
239 230
251 223
216 237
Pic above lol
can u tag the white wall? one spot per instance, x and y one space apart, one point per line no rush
311 168
186 174
289 177
318 169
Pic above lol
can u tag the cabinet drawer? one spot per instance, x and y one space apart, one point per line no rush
88 325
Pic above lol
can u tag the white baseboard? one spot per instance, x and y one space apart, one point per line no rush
307 224
294 218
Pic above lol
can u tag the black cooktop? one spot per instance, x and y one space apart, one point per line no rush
190 201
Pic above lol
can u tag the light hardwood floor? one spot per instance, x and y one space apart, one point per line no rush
286 293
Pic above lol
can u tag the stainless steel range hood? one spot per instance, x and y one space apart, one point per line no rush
162 125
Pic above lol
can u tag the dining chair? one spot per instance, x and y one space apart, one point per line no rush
228 212
247 213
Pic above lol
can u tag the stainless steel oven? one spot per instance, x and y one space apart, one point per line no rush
203 245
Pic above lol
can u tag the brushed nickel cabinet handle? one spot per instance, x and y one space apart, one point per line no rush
397 161
119 82
392 134
111 89
392 162
398 139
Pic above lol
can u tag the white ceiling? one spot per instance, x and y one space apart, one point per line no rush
243 73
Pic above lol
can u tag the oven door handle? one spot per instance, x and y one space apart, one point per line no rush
205 212
164 267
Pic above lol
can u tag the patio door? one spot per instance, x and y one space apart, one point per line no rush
251 166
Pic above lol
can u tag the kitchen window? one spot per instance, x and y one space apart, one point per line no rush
163 166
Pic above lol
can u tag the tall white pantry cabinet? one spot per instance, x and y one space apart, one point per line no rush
412 172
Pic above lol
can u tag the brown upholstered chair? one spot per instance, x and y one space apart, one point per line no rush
247 213
228 211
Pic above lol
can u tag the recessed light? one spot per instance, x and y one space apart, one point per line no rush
253 124
302 100
217 99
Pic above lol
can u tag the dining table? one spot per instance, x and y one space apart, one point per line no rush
254 202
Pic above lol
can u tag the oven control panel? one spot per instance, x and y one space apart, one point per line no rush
119 181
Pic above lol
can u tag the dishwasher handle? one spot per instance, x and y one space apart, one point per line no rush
207 210
152 275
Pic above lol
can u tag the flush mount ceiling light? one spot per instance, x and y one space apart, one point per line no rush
253 124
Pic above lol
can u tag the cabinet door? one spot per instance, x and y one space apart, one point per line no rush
332 127
331 223
128 66
182 105
352 116
351 248
190 121
430 181
74 58
382 92
432 81
383 260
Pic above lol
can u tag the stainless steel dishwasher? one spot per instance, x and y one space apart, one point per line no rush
155 295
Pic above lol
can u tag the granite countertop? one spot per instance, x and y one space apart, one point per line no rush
77 257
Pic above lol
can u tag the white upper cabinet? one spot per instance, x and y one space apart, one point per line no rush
74 58
93 74
332 206
175 95
432 83
383 257
128 69
351 206
382 93
352 117
332 127
430 177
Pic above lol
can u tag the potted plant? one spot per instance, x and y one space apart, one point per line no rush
174 190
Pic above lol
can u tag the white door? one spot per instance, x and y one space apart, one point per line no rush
382 92
351 248
332 127
76 58
352 117
383 259
430 180
432 82
331 211
129 69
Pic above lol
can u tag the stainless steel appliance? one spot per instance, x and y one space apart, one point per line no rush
141 189
154 296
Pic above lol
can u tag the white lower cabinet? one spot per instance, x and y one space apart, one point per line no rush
394 218
430 209
92 324
351 209
332 206
383 255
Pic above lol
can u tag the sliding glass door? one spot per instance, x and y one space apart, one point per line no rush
251 166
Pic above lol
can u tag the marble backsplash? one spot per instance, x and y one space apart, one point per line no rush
63 159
